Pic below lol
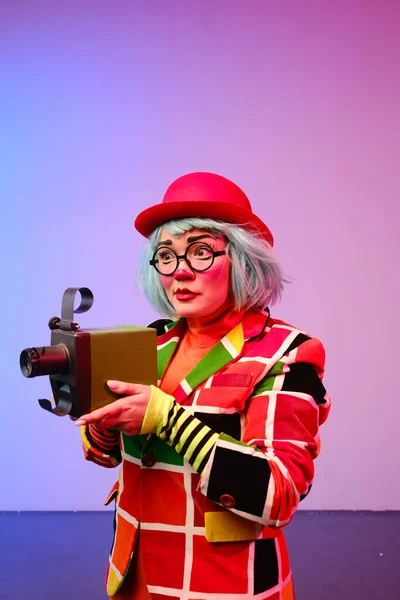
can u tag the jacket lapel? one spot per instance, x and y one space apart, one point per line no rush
220 355
167 344
229 348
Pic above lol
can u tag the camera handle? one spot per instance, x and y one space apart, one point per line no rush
66 322
67 306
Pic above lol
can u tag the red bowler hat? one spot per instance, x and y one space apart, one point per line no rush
202 195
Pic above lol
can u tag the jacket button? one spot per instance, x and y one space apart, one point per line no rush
227 500
148 459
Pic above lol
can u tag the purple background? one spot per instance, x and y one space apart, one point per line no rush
103 104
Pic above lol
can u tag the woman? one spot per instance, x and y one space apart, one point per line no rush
216 459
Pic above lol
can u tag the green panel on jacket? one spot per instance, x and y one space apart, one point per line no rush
134 446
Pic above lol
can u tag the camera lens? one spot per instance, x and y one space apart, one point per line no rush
44 360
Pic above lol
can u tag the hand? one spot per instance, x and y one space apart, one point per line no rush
125 414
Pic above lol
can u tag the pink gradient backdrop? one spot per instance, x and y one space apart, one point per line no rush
102 105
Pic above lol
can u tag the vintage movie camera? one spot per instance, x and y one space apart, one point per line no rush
81 361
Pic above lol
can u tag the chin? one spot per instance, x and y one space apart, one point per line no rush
190 310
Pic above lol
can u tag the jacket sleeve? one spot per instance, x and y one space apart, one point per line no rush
273 471
263 476
101 446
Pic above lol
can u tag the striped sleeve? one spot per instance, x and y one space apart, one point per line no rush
101 446
179 429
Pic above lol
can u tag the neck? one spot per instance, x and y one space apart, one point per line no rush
212 328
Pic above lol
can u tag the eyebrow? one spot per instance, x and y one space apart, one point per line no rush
192 238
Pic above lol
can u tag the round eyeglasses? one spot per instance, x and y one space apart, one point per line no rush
198 255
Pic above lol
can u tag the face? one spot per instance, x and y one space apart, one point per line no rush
193 293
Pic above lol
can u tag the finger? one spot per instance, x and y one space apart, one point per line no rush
99 414
123 387
111 423
82 420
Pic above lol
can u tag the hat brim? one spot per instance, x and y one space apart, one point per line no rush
151 218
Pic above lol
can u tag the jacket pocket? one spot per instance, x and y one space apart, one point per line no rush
223 398
232 380
227 526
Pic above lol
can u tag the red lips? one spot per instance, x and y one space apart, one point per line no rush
184 291
185 294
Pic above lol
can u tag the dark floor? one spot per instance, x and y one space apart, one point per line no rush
335 555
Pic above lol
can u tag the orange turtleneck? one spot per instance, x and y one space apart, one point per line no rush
201 335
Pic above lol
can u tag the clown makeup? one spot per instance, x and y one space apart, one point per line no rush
193 293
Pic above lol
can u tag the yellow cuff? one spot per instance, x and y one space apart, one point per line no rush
157 410
85 441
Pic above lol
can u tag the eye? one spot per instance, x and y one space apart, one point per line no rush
202 252
165 256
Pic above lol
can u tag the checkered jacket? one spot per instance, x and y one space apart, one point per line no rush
218 536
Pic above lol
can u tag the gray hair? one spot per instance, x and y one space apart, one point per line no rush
256 277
